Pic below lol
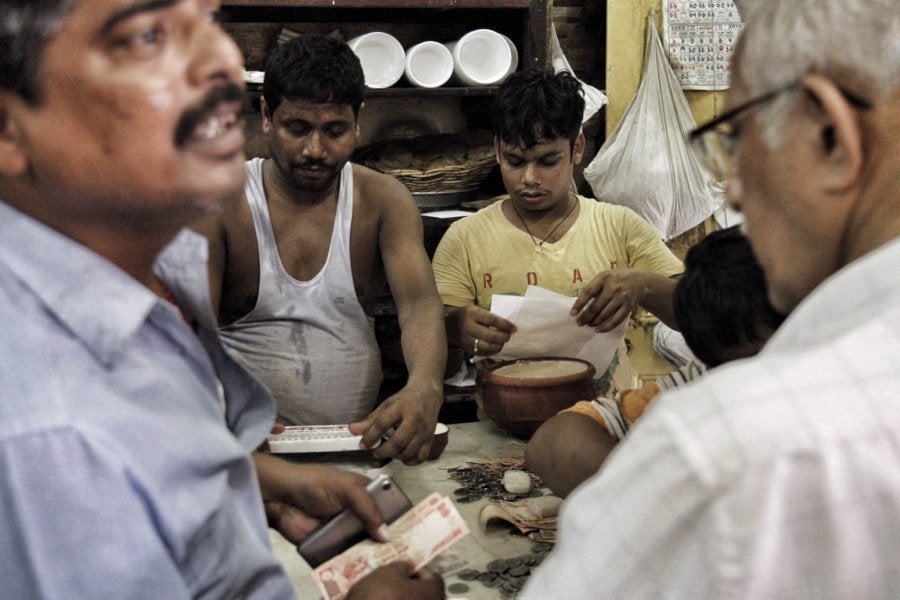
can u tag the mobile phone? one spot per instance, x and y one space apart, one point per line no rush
345 529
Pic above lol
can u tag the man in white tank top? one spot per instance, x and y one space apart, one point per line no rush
297 266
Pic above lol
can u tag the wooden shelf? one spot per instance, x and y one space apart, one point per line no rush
255 23
258 25
439 91
375 5
254 92
401 89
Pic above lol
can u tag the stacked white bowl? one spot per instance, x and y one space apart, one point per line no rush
482 57
428 65
382 57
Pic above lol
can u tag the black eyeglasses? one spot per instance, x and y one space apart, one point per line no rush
714 142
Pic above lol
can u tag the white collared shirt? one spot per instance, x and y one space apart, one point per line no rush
771 477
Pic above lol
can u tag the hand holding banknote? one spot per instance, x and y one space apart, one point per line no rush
423 532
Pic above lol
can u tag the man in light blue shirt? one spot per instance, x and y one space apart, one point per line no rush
126 432
97 373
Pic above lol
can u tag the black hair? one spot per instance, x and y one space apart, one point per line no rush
538 105
25 30
721 299
313 67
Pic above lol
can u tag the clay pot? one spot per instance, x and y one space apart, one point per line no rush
519 395
439 441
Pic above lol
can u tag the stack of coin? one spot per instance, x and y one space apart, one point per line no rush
479 482
507 575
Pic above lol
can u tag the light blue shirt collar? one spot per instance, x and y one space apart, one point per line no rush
87 282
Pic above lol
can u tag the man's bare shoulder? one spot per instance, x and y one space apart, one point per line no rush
231 230
379 189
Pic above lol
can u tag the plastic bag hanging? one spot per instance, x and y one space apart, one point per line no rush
594 99
646 164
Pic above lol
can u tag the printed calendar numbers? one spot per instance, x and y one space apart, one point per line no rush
700 36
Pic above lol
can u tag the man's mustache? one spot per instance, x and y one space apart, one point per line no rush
189 121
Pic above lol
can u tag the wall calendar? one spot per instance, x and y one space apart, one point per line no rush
699 36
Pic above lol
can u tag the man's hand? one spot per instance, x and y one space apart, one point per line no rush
412 414
609 299
471 323
397 580
612 296
298 496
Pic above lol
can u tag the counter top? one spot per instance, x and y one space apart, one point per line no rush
468 442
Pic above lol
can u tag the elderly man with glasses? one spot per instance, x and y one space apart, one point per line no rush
778 476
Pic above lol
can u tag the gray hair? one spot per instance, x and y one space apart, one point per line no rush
26 27
846 40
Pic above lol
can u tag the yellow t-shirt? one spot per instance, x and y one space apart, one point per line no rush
484 254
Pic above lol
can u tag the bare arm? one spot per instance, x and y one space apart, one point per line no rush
613 295
465 324
465 319
413 411
659 298
567 449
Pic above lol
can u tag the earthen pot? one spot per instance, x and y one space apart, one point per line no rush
519 395
439 441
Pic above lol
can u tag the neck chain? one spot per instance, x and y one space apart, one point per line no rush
538 246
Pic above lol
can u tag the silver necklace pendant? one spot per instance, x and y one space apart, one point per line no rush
538 246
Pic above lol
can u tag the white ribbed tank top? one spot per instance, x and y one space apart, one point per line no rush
309 341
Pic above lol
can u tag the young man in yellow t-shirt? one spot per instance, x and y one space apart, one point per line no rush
606 257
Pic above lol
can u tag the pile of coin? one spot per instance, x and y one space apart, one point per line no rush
485 480
507 575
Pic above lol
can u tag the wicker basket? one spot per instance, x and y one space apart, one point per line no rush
434 164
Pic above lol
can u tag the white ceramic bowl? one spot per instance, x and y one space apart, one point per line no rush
381 56
428 65
515 56
481 57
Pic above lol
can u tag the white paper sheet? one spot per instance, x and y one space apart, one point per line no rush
447 214
544 327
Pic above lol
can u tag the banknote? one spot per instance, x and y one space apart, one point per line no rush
420 534
527 515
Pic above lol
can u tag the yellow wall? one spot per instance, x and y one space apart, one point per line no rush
625 30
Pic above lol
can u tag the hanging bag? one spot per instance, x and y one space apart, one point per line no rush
646 164
594 99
